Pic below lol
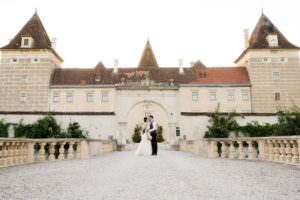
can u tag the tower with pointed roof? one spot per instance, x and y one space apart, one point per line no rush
273 66
148 59
27 61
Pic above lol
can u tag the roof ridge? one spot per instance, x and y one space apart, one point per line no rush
148 58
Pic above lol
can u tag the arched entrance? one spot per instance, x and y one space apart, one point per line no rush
141 109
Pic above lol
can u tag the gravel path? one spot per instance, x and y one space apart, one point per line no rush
170 175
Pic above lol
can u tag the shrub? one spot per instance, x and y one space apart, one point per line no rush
46 127
3 129
136 137
160 134
289 123
74 131
254 129
22 130
221 124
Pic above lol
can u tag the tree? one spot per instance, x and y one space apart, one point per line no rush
160 134
74 131
221 124
136 137
289 122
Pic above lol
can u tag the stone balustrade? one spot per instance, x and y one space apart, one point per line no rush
15 151
275 149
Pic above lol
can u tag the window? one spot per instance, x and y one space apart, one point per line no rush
104 96
284 60
23 97
56 97
35 60
230 96
14 60
26 42
24 78
69 97
275 76
213 96
90 97
202 75
267 60
245 96
277 96
195 96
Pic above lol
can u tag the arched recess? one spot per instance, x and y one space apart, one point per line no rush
141 109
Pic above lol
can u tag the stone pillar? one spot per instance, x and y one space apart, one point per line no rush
42 152
2 154
241 150
13 153
276 150
266 150
262 149
70 150
250 150
288 150
271 150
224 150
78 150
84 150
9 154
232 150
30 152
61 155
214 149
295 155
52 151
21 154
282 151
298 145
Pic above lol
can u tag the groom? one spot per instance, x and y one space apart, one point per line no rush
152 131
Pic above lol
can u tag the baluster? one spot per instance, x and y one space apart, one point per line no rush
276 150
78 150
17 153
52 151
42 152
282 151
9 154
232 154
13 153
224 150
267 149
25 152
295 158
20 153
61 155
288 150
70 150
241 150
2 154
214 149
250 150
271 150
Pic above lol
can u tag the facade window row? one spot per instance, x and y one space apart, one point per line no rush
89 97
213 96
282 60
33 60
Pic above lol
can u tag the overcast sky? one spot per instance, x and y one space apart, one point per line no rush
89 31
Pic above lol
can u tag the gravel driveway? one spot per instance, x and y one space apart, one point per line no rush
170 175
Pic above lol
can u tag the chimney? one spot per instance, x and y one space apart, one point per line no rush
246 38
116 63
180 64
53 43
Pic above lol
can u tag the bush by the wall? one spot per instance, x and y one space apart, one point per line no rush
289 123
3 129
160 137
136 137
74 131
254 129
221 124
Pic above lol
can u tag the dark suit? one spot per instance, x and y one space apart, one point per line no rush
153 141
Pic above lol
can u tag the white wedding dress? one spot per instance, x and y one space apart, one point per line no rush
144 147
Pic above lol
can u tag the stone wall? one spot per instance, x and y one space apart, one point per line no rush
264 87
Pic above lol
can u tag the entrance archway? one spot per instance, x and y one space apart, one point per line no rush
141 109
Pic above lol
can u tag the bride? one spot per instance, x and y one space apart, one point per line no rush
144 147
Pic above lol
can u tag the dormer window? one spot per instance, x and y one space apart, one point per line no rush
272 40
26 42
202 75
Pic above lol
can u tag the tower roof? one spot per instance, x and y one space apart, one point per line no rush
264 27
148 59
35 29
258 38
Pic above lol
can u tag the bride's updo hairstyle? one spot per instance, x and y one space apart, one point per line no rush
145 119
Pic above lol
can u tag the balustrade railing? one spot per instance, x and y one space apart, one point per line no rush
275 149
15 151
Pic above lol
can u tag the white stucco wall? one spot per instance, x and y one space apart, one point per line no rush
100 127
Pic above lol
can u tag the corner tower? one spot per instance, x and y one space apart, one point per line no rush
26 65
273 66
